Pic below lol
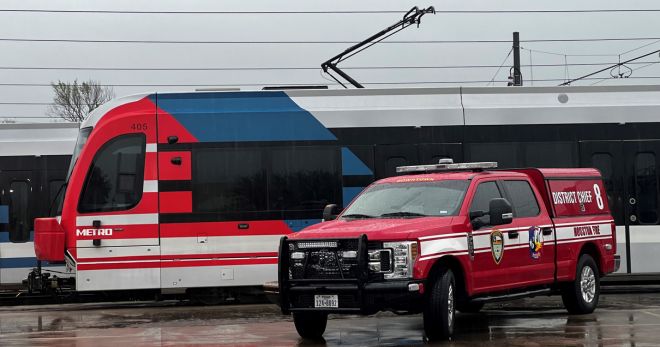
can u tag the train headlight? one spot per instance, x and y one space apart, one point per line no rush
403 255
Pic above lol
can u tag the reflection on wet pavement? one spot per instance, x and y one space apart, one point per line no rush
621 320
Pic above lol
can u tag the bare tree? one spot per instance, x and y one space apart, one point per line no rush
74 101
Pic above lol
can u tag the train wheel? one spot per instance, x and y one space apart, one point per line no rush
439 313
310 325
581 296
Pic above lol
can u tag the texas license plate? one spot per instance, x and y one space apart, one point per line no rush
326 301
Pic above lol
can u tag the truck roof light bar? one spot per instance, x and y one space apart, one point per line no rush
478 166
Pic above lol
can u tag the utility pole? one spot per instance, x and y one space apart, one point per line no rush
516 73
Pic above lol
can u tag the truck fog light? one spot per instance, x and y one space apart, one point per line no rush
349 254
375 267
298 255
413 287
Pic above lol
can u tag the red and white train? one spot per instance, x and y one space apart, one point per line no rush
173 191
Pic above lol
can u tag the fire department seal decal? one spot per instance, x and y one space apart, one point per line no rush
535 242
497 245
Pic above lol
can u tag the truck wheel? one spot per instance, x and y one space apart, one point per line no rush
439 313
581 296
310 325
470 307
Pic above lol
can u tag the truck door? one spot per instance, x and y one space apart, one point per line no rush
492 258
534 251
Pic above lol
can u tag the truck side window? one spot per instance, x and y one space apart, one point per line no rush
115 178
522 197
485 193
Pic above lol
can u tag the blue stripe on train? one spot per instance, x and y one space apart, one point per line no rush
11 263
352 165
4 214
222 117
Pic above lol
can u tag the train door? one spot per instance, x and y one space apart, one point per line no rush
17 203
609 158
115 239
642 164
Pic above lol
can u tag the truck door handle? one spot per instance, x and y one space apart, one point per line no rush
547 231
513 234
176 160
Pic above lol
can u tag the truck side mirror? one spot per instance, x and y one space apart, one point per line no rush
330 212
500 211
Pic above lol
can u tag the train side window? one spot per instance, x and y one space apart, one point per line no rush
522 198
114 180
646 188
229 180
19 212
303 178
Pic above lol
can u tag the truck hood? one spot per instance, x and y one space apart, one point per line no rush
383 229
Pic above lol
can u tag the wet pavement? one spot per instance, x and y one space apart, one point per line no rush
620 320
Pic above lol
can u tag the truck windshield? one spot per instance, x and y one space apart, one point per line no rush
56 205
409 199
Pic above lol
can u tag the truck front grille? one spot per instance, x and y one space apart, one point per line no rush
325 261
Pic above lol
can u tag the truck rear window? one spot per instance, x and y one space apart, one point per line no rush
409 199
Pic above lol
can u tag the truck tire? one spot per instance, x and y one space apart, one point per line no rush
310 325
470 307
439 313
581 296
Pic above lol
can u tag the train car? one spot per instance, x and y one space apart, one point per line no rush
178 191
33 163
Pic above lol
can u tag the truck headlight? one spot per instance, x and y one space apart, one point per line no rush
403 256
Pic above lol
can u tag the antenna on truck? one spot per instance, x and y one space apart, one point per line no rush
414 16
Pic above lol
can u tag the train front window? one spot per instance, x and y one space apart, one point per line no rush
115 177
409 199
83 135
57 202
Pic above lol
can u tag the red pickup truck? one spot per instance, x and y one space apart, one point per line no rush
448 237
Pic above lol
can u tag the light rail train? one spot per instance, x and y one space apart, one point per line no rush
33 163
177 191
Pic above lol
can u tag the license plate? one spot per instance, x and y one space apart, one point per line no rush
326 301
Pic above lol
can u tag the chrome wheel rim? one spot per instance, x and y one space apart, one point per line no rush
588 284
450 305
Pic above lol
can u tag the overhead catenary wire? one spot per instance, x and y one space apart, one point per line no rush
275 68
72 40
610 67
211 12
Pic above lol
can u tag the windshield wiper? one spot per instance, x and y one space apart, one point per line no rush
357 215
403 214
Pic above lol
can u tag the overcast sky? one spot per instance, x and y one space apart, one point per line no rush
218 30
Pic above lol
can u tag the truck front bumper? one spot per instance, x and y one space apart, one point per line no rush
405 295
